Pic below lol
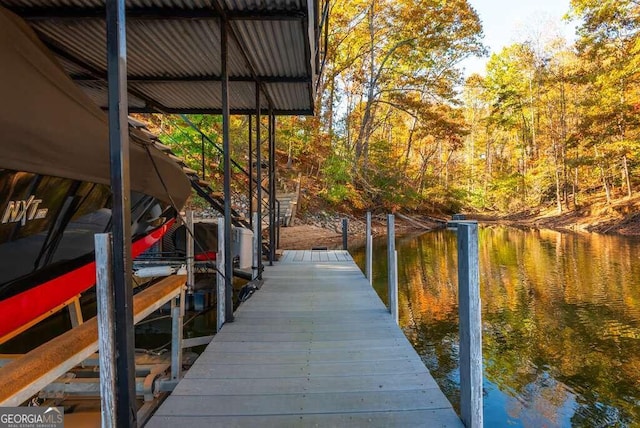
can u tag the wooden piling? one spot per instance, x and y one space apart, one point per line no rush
369 251
470 326
345 233
106 342
392 275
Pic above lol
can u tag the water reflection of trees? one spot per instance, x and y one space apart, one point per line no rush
561 320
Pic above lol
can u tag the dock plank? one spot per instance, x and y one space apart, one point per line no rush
314 347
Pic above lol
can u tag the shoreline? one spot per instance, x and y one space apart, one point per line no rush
308 233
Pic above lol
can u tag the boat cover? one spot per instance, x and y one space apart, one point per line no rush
49 126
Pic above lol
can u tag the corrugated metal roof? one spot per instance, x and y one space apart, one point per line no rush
186 4
265 5
174 50
274 47
291 94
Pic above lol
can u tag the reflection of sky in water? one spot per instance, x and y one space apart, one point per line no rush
561 322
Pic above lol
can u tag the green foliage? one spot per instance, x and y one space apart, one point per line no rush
187 143
336 171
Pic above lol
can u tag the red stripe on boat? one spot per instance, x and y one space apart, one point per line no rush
20 309
207 256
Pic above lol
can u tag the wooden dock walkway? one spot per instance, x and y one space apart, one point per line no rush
314 347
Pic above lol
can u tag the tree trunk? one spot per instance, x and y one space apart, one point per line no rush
409 144
574 189
332 93
603 177
625 168
365 125
558 192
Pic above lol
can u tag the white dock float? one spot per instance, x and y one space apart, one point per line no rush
314 347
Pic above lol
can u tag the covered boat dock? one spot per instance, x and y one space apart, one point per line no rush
249 57
316 340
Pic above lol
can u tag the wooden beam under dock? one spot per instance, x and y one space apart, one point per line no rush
28 374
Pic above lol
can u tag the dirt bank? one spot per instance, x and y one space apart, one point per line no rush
325 230
620 217
594 216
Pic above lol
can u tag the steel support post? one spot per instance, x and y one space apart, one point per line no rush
272 189
469 313
226 148
204 175
278 219
251 183
258 227
126 408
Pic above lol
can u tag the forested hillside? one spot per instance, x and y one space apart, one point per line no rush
398 125
554 123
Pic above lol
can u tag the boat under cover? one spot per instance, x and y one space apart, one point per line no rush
54 181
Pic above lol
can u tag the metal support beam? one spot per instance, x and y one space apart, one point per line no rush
278 218
258 226
272 189
157 13
198 79
204 175
226 148
121 213
181 110
251 182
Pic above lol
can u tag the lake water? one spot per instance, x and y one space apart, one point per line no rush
561 322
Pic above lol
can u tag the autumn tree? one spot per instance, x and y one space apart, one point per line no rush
609 47
393 80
